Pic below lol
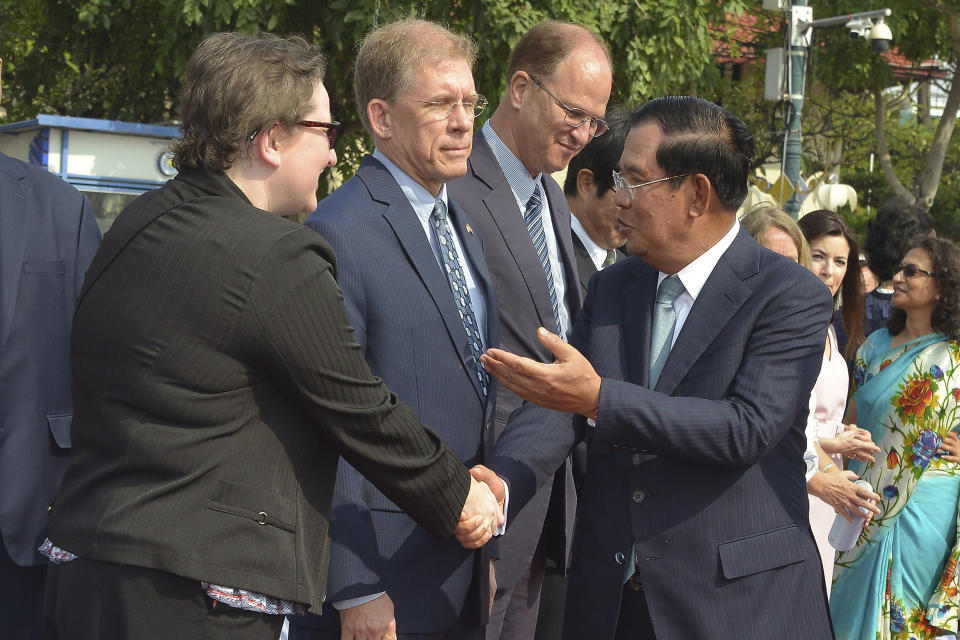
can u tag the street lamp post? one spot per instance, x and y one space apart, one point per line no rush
800 27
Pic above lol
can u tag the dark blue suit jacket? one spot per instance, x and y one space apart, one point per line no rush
48 235
406 322
705 474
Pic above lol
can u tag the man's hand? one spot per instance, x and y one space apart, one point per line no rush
568 384
837 489
369 621
481 474
493 586
480 518
852 442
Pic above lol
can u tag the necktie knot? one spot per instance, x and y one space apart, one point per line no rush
670 289
535 200
611 258
439 210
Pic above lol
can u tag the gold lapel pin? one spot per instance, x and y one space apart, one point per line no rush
469 229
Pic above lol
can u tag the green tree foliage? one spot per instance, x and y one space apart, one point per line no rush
119 59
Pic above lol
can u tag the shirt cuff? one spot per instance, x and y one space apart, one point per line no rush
506 509
356 602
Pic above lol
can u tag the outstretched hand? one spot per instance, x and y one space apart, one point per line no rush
568 384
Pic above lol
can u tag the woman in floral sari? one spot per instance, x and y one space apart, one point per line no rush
900 581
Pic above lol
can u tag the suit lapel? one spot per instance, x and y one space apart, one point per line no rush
585 266
14 205
502 206
637 301
405 224
721 297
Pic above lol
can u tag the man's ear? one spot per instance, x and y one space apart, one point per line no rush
378 115
520 85
585 183
703 193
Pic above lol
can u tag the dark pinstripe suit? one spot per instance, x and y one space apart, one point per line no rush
708 483
216 383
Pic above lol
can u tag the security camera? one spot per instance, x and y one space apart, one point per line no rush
880 37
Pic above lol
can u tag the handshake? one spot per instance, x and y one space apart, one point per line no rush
482 514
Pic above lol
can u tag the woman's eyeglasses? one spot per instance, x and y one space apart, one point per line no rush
333 129
911 270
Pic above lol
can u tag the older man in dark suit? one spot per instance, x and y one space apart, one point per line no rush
558 86
217 381
48 236
700 353
419 297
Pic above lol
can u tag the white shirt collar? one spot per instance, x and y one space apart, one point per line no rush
598 254
694 275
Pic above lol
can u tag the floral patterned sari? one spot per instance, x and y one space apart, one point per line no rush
900 582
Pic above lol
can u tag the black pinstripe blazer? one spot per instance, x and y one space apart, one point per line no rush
705 475
216 381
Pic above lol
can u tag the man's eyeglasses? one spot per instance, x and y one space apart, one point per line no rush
442 108
333 129
574 117
619 182
911 270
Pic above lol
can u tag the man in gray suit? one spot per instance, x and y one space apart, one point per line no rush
559 83
48 236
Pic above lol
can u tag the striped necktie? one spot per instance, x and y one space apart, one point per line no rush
458 286
533 217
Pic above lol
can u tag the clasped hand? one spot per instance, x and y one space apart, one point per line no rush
482 514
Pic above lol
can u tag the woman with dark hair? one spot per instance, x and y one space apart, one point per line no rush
833 258
894 229
901 579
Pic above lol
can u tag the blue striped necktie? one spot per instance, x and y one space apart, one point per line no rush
458 286
533 217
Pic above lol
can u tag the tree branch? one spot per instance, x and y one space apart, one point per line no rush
884 153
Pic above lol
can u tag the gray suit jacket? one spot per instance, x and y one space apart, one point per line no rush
521 287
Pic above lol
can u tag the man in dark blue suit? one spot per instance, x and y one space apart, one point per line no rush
48 235
420 300
698 356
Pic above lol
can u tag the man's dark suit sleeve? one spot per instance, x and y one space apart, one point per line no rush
332 384
782 356
776 370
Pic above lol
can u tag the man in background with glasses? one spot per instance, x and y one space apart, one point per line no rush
423 309
559 81
696 359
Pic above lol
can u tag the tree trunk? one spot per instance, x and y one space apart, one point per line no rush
930 177
883 153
